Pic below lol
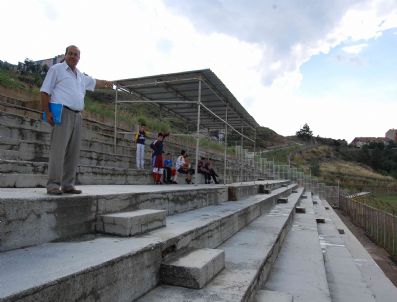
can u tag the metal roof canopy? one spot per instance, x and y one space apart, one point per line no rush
178 93
185 94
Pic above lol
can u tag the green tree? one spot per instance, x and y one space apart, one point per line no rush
305 133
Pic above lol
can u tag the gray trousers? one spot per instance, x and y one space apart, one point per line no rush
65 151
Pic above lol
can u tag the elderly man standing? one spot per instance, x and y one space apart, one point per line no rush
66 85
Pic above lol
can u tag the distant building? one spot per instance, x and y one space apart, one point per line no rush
392 134
51 61
358 142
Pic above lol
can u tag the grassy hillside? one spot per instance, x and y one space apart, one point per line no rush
331 164
334 164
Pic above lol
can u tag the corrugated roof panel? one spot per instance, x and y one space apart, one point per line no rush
183 86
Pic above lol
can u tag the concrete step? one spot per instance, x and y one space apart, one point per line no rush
21 180
103 175
26 128
6 100
30 216
25 174
131 223
106 268
299 270
194 269
352 273
34 146
16 121
240 190
39 142
282 200
272 296
30 136
9 154
23 167
249 255
93 153
90 155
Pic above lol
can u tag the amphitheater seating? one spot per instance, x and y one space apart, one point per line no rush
125 240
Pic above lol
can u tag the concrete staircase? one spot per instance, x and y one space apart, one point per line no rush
92 265
319 262
267 240
251 248
24 149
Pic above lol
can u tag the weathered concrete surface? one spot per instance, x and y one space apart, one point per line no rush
30 216
272 296
194 269
31 221
299 269
21 180
282 200
29 174
241 190
122 269
103 269
26 138
352 274
131 223
249 256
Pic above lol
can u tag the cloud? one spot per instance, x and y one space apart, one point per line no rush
255 47
289 33
355 49
50 10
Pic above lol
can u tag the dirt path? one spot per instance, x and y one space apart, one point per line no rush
381 257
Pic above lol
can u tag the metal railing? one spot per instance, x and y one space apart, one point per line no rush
379 226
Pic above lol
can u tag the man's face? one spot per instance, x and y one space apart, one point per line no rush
72 57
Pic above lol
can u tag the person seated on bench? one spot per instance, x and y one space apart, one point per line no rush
203 170
182 166
169 170
208 166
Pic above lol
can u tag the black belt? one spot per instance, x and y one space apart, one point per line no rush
75 111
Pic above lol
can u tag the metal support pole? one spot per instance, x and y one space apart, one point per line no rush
225 157
255 165
115 121
198 131
242 158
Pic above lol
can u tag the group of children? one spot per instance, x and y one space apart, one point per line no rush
163 170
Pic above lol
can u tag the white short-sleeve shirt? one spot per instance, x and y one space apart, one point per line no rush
180 161
66 87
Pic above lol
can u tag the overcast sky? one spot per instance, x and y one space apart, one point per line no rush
330 64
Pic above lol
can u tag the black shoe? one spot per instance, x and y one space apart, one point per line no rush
54 192
71 191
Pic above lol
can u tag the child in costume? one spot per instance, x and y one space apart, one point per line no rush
157 157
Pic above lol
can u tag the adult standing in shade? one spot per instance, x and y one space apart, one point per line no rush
65 84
